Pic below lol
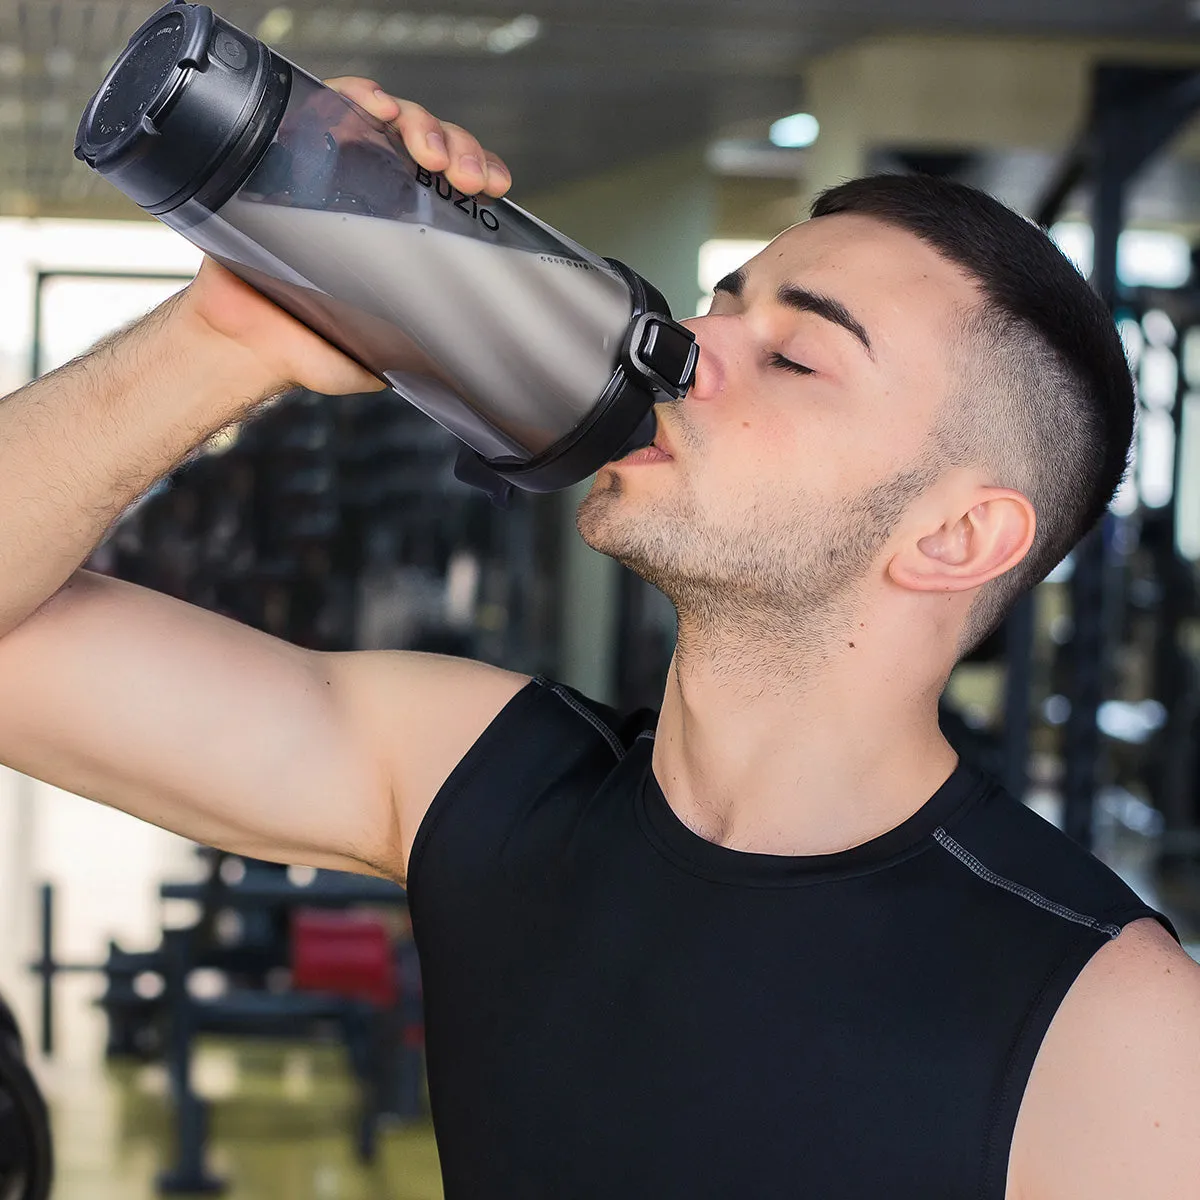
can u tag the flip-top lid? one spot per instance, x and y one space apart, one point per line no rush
186 93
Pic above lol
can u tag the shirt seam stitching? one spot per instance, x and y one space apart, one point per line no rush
609 735
995 879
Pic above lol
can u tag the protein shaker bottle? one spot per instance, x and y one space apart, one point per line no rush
544 359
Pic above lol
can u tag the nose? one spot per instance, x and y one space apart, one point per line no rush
715 337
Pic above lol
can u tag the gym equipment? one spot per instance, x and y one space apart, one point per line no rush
337 523
542 358
26 1145
131 1011
344 954
1154 590
1135 110
343 973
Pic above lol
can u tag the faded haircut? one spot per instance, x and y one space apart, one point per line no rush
1046 401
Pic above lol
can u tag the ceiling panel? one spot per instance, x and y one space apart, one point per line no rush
602 83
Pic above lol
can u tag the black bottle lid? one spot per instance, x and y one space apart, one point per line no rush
185 111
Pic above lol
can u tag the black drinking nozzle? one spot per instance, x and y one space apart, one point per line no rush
470 469
473 471
641 437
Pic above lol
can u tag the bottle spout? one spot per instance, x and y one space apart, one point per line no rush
641 437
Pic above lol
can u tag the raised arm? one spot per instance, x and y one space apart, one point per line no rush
159 708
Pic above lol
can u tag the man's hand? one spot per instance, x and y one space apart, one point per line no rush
279 352
436 145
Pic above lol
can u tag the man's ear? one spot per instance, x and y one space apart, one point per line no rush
961 554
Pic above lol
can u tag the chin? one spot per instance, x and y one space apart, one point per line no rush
612 523
599 518
610 519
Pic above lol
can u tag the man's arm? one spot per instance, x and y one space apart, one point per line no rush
234 738
1112 1108
157 707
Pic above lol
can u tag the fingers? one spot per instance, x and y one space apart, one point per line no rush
473 169
499 177
436 145
366 93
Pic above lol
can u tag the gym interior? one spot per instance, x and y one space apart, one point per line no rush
190 1020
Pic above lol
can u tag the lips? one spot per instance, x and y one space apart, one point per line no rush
660 441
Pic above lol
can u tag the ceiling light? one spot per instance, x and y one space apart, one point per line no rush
276 25
60 63
796 131
410 33
359 28
12 61
52 113
518 32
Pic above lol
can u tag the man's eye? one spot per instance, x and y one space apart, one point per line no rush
786 364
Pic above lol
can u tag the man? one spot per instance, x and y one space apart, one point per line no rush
775 941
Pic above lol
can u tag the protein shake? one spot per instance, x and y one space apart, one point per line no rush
530 339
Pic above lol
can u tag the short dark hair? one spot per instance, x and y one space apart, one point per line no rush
1048 402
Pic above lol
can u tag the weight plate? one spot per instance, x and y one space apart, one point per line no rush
26 1150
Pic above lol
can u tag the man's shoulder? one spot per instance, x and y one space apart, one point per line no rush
1112 1106
1029 860
619 729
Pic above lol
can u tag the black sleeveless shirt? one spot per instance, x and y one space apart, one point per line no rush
617 1008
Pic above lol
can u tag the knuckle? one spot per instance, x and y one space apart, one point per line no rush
464 141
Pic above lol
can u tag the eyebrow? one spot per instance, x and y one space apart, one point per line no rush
804 300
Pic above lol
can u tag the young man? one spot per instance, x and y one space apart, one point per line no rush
775 941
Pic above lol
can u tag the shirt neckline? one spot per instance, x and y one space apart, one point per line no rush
721 864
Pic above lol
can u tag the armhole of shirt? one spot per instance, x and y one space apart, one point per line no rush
1024 1051
491 743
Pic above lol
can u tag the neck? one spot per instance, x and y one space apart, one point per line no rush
800 740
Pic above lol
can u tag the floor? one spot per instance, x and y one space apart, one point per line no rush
282 1117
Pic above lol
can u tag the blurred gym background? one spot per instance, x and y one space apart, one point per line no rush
195 1019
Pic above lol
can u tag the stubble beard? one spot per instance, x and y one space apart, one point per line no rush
777 583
